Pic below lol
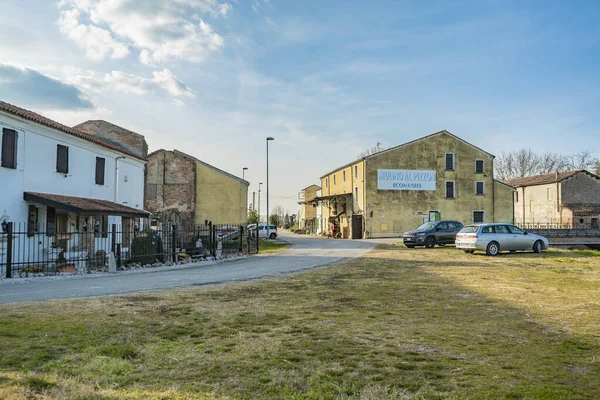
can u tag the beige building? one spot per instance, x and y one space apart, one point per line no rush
564 198
308 217
181 189
439 176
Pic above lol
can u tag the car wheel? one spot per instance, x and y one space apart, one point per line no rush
469 251
430 242
493 248
273 236
410 246
538 247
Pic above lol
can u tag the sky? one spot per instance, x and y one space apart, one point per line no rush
326 78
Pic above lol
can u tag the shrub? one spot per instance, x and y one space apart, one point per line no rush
147 249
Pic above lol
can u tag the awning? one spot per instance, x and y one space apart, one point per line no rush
334 198
82 205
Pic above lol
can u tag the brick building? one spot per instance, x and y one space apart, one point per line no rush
566 198
181 189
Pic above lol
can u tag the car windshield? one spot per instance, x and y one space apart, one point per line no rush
469 229
426 227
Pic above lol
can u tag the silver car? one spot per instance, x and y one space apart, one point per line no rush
494 238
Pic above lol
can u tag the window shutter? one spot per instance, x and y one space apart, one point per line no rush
100 163
62 159
9 148
479 167
50 221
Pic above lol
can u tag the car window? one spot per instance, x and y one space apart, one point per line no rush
469 229
516 230
454 225
442 226
487 229
426 227
260 228
501 229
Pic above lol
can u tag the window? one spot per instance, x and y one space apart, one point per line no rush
480 188
503 229
531 207
479 166
549 193
62 159
515 230
356 171
450 192
9 148
326 182
101 226
50 221
442 227
516 196
356 195
478 217
100 162
32 221
449 161
334 180
344 176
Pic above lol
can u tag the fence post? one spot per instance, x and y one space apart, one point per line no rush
213 235
113 240
241 239
173 242
118 255
9 244
257 238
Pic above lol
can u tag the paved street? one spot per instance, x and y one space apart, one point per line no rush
307 252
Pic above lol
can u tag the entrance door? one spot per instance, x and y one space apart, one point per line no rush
357 227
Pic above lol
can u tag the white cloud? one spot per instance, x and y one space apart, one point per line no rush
119 81
161 30
97 42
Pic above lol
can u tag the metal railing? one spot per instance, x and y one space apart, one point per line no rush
555 229
27 250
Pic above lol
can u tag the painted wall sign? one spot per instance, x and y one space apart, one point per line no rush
403 179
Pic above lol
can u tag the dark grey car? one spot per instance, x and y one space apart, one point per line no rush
431 233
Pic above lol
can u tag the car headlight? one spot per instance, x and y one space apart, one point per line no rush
421 234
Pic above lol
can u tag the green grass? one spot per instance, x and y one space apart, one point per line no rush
269 247
398 323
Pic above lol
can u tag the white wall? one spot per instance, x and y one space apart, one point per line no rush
36 169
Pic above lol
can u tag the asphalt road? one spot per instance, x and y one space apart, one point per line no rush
307 252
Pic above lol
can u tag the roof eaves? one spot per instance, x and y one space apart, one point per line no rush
181 153
41 120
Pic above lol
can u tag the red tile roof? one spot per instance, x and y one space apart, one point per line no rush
40 119
82 205
542 179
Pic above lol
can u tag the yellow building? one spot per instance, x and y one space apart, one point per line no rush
439 176
308 216
181 189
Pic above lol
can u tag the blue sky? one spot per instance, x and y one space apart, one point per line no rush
327 79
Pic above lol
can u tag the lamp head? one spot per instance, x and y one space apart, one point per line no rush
245 169
270 138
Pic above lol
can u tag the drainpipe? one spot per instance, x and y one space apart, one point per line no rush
117 178
523 205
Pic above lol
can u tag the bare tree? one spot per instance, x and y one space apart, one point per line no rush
596 167
277 216
581 160
375 149
525 162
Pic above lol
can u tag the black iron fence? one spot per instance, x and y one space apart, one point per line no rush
555 229
27 250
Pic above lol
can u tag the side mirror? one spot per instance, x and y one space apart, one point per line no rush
525 233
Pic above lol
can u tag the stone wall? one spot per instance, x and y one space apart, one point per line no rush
131 141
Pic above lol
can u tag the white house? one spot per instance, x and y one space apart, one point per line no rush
56 182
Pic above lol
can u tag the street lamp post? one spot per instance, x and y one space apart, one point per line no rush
259 201
268 233
244 172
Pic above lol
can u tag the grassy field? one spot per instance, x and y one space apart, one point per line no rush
270 247
398 323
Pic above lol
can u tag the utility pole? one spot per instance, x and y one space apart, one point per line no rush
253 201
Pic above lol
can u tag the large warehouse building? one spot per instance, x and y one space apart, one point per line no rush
439 176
